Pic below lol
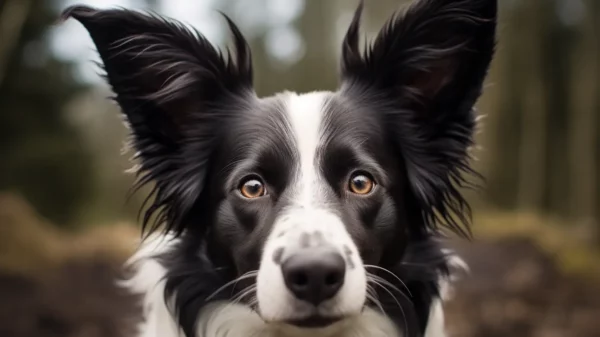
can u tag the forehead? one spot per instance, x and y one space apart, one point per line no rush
288 123
307 115
293 132
318 119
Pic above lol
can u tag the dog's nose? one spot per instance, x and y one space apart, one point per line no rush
314 274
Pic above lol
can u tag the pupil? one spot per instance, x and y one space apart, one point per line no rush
359 183
253 187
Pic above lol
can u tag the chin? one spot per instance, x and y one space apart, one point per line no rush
299 214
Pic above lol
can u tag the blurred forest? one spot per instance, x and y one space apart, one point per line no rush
540 145
61 139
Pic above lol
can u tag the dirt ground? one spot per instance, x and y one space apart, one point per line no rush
77 300
513 290
516 290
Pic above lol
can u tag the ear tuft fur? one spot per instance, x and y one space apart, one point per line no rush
426 69
176 91
351 54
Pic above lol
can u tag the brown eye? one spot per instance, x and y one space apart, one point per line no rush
252 188
361 183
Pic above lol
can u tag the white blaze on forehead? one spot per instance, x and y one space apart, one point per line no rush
306 113
307 216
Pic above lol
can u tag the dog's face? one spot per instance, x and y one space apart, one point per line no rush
299 195
307 197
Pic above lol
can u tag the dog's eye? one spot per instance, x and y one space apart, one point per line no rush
252 188
361 183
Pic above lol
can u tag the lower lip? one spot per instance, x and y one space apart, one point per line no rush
314 322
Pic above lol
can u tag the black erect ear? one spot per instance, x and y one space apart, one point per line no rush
175 90
427 68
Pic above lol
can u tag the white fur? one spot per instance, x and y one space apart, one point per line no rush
275 301
148 282
222 319
436 326
457 267
234 320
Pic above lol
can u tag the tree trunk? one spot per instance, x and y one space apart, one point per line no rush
532 169
12 18
584 124
555 61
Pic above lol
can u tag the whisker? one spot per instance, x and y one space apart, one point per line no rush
372 296
247 291
398 303
390 273
370 290
387 283
384 284
247 275
252 302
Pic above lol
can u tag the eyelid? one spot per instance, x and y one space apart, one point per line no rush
370 165
248 177
372 171
239 173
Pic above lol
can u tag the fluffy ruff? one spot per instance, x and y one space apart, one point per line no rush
225 318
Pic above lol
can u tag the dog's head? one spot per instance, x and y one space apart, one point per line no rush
303 197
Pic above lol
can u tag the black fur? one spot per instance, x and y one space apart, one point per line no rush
404 112
177 92
425 70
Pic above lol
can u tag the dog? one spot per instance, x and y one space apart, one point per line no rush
316 214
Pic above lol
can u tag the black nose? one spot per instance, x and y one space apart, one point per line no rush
314 274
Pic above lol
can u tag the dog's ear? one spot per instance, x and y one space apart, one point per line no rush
426 68
176 91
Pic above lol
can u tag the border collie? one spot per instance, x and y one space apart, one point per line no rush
315 214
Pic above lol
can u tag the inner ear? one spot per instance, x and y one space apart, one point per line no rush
428 82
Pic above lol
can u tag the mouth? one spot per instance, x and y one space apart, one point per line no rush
315 321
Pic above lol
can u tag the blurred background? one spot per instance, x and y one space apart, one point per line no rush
66 224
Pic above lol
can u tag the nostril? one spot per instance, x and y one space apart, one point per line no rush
299 279
333 279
